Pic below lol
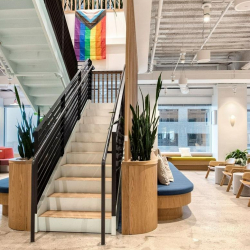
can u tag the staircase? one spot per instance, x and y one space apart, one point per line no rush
30 49
74 200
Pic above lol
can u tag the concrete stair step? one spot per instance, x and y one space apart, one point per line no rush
87 158
81 185
73 221
86 170
78 202
89 146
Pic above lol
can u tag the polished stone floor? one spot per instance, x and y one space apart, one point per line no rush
214 220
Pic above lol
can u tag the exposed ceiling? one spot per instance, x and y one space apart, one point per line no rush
182 29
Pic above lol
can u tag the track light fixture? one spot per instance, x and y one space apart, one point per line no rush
206 11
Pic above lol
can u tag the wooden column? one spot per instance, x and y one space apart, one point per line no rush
19 194
131 88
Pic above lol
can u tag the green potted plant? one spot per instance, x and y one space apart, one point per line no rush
139 174
240 156
20 172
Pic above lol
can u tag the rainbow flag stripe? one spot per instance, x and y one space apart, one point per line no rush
90 34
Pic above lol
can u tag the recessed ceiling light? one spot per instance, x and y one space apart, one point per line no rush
242 5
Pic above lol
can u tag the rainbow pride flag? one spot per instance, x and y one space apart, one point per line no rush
90 34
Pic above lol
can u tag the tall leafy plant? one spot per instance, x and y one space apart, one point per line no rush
240 156
144 127
25 131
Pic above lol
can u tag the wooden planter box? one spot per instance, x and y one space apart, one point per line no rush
20 194
139 196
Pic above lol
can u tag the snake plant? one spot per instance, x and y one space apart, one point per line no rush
144 127
25 131
240 156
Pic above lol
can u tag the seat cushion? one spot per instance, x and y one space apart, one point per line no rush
181 184
4 186
4 162
191 159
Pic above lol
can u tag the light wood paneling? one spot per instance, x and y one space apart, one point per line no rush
169 214
131 83
139 197
19 194
170 206
173 201
4 198
75 214
5 210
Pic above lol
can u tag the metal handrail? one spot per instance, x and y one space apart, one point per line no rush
112 129
54 141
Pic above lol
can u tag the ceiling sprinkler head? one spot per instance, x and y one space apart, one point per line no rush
166 91
234 89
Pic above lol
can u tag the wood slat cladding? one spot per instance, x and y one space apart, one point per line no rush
20 195
139 196
131 84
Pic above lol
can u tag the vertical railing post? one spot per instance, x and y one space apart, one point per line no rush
33 209
62 128
79 98
114 191
90 81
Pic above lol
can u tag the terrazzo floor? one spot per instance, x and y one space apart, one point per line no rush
214 220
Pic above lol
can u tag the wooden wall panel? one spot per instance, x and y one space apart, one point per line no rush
131 84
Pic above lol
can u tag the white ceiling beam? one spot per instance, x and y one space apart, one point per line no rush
200 77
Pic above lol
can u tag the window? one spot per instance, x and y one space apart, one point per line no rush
184 126
12 117
169 115
198 115
168 139
198 140
248 130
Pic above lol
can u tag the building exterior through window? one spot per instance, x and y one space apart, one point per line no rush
184 126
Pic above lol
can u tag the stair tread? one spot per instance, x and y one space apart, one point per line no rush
85 165
75 214
81 179
97 152
78 195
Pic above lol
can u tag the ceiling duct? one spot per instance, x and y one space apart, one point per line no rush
242 5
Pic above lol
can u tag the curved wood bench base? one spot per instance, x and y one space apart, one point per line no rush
170 206
5 210
4 200
169 213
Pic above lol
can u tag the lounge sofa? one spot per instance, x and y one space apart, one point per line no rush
198 161
173 197
4 194
5 155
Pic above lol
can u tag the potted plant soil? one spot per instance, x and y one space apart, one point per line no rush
139 175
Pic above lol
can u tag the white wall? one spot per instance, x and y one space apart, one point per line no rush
214 127
115 40
231 138
1 122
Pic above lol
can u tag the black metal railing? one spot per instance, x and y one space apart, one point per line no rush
52 135
116 130
61 30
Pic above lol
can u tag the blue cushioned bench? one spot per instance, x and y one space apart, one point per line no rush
4 195
172 198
